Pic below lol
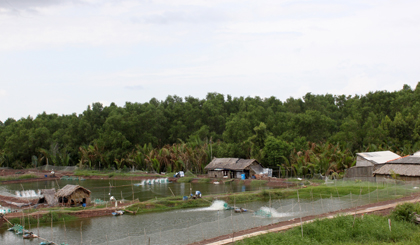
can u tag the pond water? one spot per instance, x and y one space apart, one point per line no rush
180 226
124 189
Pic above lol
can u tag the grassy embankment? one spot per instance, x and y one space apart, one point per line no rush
369 229
44 219
21 177
110 174
315 192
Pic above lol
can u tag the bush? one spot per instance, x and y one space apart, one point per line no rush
185 180
406 211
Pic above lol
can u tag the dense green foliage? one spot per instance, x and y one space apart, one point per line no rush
304 136
406 211
370 229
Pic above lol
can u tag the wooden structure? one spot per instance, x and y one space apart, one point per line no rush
48 196
233 168
71 195
405 168
367 162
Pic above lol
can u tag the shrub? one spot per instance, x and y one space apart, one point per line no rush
406 211
185 180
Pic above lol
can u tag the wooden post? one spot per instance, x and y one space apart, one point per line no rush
38 225
52 234
132 188
65 231
300 213
81 236
218 224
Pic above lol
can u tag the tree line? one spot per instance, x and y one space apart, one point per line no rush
308 135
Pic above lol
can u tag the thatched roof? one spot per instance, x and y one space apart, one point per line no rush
49 196
69 189
236 164
400 169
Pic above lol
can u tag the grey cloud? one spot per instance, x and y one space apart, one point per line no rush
192 16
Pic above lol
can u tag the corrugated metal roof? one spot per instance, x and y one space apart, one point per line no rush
410 159
378 157
401 169
230 163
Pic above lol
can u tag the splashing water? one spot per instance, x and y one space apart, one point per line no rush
270 212
215 206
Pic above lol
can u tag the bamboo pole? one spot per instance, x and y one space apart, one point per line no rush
65 231
81 236
52 234
300 213
38 225
132 188
171 191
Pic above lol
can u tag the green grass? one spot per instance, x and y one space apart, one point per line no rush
371 229
44 219
110 174
185 180
25 176
169 203
204 181
258 182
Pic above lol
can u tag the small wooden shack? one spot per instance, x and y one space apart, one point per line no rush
233 168
71 195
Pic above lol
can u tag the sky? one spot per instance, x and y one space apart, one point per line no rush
61 56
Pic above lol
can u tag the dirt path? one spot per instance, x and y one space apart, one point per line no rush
380 208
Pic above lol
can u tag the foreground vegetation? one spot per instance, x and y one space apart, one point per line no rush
367 229
315 134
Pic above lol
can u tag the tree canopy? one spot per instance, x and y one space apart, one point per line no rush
184 133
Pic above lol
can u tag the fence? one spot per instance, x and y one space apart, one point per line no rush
194 225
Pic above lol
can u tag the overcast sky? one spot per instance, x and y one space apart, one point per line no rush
61 56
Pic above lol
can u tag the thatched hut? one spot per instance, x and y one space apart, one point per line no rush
233 168
73 195
48 196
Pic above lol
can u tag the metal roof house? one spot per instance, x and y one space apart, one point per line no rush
367 162
233 168
407 168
